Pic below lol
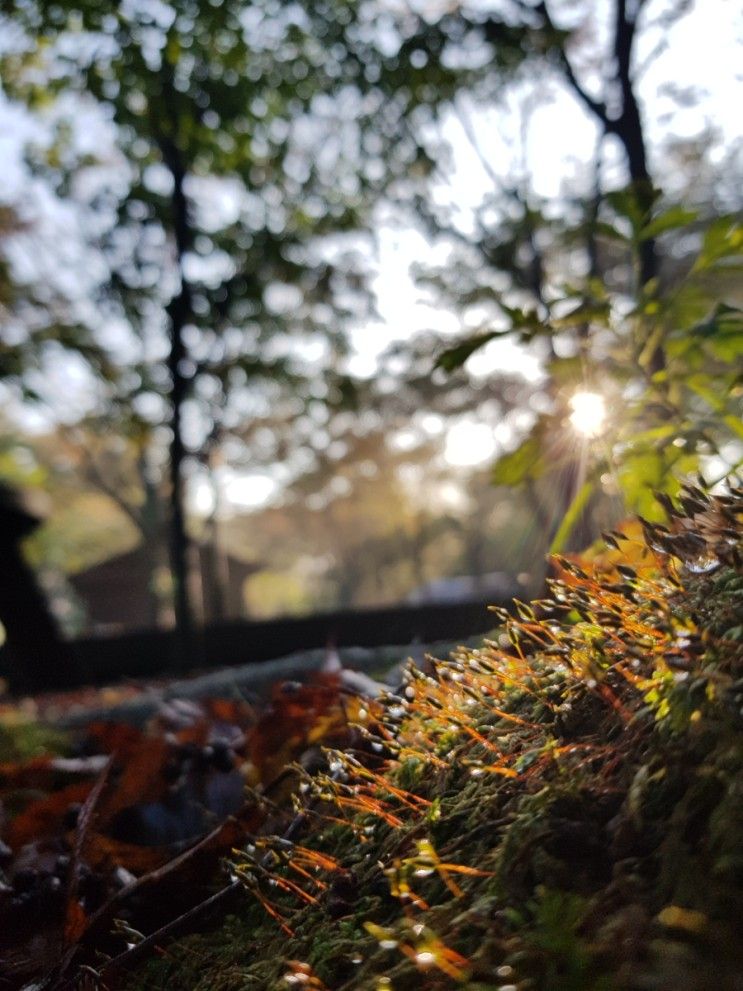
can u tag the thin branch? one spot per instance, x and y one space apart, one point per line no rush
97 478
469 131
172 928
624 36
597 107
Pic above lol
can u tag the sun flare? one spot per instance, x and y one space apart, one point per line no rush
589 413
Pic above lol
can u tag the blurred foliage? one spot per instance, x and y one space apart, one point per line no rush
218 163
371 523
282 125
37 322
661 424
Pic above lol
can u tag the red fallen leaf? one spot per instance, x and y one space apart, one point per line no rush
108 738
103 854
299 716
36 773
46 773
236 713
46 816
141 779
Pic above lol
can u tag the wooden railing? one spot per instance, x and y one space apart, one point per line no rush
150 653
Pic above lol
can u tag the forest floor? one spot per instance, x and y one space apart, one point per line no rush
559 808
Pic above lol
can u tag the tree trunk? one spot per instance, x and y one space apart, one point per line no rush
216 578
179 312
628 128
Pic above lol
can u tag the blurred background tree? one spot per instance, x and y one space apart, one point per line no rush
224 171
608 277
233 140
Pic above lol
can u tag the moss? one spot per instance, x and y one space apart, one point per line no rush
24 739
585 825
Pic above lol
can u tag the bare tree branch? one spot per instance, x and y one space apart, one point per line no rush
596 107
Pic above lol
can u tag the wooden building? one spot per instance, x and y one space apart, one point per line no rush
126 592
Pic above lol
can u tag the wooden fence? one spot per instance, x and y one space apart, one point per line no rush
150 653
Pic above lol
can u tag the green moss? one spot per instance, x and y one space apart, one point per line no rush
595 806
25 739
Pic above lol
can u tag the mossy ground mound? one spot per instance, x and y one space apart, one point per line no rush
561 809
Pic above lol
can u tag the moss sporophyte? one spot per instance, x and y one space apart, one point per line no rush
559 809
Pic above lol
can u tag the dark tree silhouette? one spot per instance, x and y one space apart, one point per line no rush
35 656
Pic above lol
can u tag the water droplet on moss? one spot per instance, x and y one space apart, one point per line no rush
702 564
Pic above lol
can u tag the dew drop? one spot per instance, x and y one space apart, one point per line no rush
702 564
425 959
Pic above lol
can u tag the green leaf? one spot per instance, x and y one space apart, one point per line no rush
723 331
566 371
456 356
653 436
624 202
572 514
723 239
670 220
526 462
609 231
587 311
725 320
734 424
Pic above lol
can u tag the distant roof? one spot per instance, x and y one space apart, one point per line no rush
133 566
118 593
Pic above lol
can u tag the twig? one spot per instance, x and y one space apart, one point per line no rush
133 954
